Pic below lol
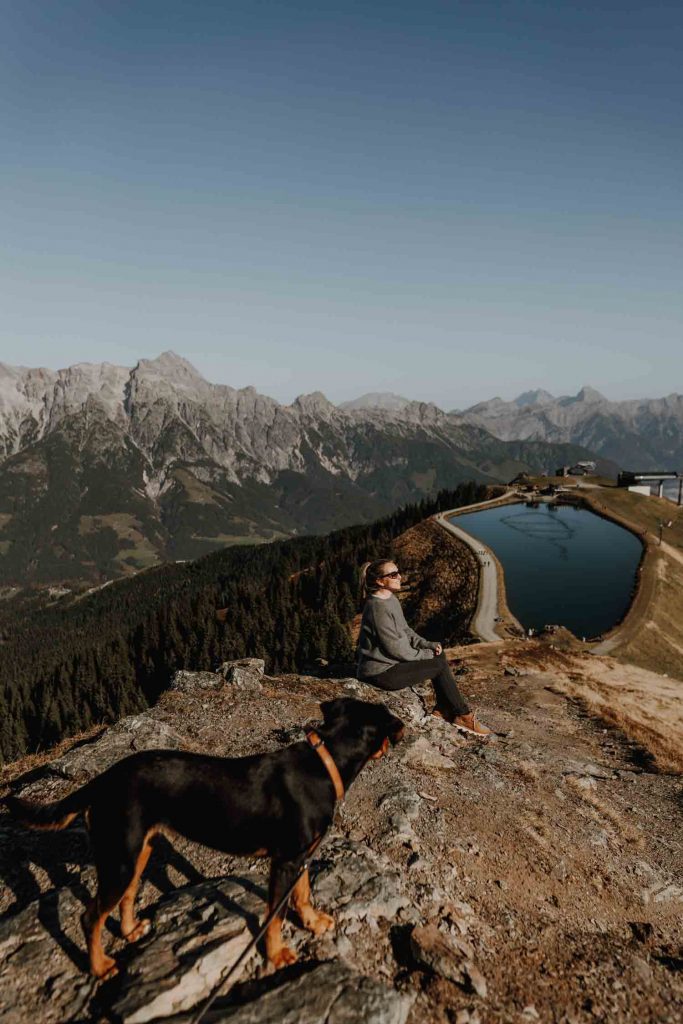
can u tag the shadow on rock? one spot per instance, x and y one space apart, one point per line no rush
60 855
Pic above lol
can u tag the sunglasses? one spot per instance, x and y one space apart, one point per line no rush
390 575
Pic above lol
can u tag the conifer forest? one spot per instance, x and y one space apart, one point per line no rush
113 652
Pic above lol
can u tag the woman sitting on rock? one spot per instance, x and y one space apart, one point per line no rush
392 656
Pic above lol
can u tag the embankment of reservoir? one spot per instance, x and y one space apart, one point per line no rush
651 633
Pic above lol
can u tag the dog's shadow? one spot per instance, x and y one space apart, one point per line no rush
158 875
63 857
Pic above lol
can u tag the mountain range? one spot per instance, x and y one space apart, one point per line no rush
106 470
641 434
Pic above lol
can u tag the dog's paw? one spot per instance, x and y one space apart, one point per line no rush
320 923
138 931
106 969
283 958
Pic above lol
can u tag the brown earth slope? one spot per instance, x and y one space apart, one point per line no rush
644 705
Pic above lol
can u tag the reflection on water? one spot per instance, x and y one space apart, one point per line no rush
562 564
553 530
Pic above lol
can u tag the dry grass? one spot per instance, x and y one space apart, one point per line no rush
195 490
233 539
643 512
655 639
9 773
605 812
646 707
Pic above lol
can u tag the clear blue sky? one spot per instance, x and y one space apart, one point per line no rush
449 200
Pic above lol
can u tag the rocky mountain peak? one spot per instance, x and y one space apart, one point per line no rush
589 394
172 369
536 397
490 406
184 458
315 403
421 412
385 400
8 372
646 432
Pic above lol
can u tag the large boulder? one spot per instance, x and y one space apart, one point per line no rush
146 731
243 676
196 682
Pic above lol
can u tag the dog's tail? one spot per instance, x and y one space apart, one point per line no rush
51 816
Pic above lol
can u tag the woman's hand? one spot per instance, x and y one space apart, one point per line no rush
438 650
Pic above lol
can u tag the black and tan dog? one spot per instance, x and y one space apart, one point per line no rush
276 805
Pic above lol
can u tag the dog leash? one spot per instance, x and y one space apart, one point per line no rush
257 938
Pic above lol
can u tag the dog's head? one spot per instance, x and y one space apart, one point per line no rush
360 720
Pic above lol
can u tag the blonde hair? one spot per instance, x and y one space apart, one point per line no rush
369 574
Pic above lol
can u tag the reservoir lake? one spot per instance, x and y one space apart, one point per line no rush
563 565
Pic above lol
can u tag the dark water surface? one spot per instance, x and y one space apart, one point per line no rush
563 565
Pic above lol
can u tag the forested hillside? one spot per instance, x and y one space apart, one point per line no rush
114 652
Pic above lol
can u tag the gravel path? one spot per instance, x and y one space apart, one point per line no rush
484 621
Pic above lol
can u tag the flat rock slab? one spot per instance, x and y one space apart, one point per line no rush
43 963
595 771
401 806
198 933
195 682
330 993
419 752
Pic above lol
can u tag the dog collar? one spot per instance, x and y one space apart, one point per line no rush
318 744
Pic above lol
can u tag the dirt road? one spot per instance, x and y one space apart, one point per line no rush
484 621
488 610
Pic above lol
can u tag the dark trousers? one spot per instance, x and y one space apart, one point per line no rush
408 673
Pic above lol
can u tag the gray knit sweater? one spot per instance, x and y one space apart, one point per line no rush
386 638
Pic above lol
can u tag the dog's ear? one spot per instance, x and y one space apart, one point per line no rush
396 730
334 711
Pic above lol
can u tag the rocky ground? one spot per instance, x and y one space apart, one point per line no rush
536 877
